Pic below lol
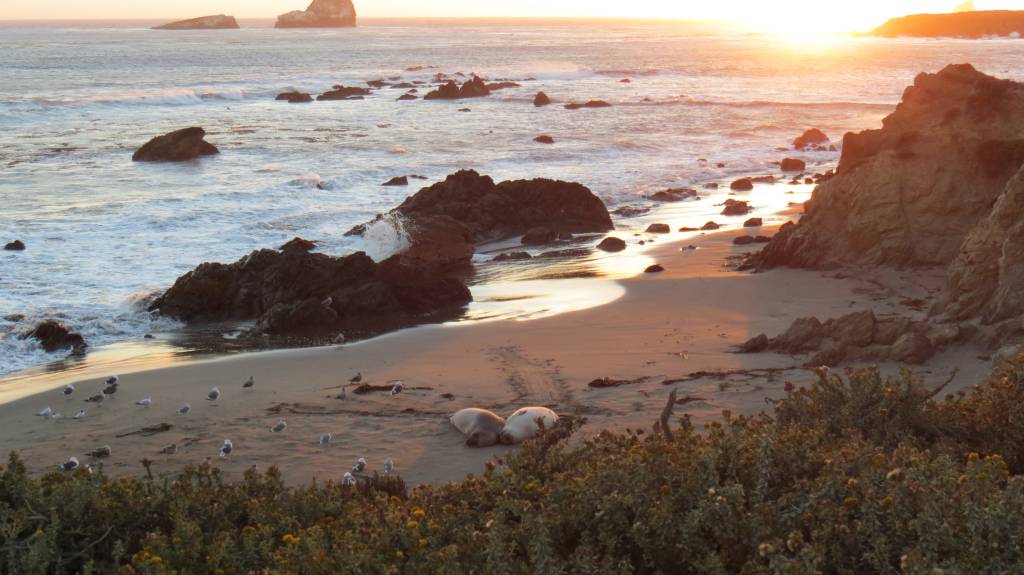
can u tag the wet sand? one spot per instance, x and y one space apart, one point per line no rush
664 327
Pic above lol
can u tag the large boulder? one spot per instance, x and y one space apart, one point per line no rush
813 139
177 146
217 22
473 88
296 292
320 14
908 194
53 336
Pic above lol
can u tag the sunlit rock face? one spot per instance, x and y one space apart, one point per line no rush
216 22
320 14
965 23
908 194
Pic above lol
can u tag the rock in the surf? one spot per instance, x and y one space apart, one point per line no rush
178 146
217 22
320 14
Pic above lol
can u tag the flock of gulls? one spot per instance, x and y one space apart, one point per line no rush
112 385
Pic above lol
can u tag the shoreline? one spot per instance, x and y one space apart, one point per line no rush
664 327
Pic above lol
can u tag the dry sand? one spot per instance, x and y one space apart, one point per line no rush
666 326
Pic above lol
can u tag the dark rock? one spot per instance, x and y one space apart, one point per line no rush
512 256
736 208
544 139
377 83
541 99
755 344
565 254
964 24
762 239
753 223
465 110
302 293
494 86
473 88
793 165
763 180
15 246
177 146
406 97
687 229
711 186
15 318
298 245
590 104
811 139
397 181
538 237
320 14
54 336
611 244
344 93
808 181
743 240
674 195
710 226
294 97
653 269
658 229
742 185
630 211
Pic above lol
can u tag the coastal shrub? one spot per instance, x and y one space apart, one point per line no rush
856 473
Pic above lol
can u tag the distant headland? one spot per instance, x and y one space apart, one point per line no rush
217 22
320 14
959 24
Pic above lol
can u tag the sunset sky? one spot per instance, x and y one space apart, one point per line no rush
823 14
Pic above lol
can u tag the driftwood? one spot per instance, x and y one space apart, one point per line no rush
300 409
148 431
606 382
365 388
769 372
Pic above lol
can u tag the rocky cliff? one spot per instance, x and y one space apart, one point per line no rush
320 14
960 24
909 193
217 22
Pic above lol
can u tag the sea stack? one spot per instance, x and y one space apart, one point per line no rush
320 14
958 25
216 22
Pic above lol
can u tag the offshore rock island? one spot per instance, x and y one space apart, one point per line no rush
320 14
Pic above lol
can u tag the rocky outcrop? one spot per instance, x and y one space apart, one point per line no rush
793 165
960 24
54 336
178 146
15 246
674 195
612 244
450 90
858 336
589 104
541 99
320 14
813 139
294 97
218 22
344 93
296 292
544 139
909 193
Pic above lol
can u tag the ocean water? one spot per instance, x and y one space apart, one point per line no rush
104 233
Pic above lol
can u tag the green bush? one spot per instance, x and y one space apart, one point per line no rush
857 473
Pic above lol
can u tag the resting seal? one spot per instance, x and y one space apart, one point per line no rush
481 427
522 424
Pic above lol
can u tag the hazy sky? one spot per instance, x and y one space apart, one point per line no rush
830 14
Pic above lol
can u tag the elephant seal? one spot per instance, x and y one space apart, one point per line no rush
522 424
481 427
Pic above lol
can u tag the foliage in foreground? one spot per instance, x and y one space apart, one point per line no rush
855 474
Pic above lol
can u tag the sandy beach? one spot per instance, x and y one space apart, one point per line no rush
664 328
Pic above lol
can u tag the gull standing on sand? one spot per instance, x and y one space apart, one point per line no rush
100 453
225 450
80 414
357 379
69 389
249 383
110 390
325 438
98 398
145 402
46 412
279 427
214 394
389 467
360 465
348 479
397 388
70 465
185 409
113 380
170 449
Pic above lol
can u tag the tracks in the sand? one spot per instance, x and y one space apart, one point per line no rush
539 381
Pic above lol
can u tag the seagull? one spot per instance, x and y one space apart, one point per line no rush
69 389
46 412
70 465
279 427
397 388
249 383
110 390
327 302
225 450
170 449
98 398
214 394
389 467
80 414
357 379
342 394
145 402
348 479
359 466
325 438
112 380
185 409
101 453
